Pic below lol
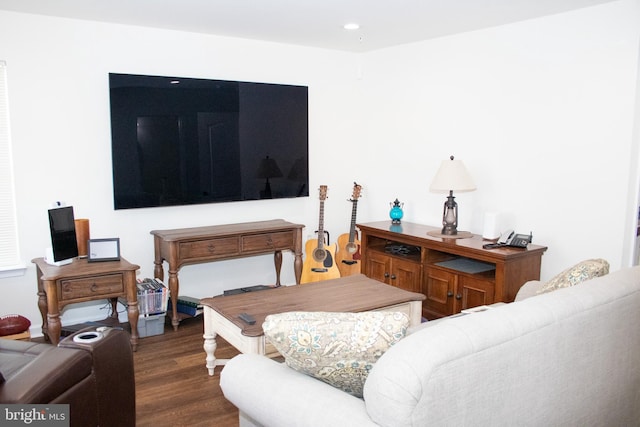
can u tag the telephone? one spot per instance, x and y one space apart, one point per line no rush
511 239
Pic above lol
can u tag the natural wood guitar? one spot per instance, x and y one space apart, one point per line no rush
348 255
319 263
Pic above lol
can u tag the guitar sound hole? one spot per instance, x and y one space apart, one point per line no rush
319 254
351 248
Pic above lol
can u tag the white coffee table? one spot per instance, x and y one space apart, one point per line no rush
355 293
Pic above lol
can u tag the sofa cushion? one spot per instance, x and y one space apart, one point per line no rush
337 348
580 272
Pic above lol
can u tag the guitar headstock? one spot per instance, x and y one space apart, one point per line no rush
356 192
323 192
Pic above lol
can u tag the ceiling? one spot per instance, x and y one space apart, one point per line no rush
314 23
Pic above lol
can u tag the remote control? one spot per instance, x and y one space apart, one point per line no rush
247 318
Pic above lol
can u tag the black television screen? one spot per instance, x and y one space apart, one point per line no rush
181 141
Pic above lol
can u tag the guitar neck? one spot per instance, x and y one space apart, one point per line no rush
321 226
352 230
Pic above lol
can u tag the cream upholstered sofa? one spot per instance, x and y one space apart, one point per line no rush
570 357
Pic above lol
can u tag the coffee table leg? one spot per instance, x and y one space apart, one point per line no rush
216 325
210 346
209 336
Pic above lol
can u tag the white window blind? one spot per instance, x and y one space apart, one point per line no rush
9 253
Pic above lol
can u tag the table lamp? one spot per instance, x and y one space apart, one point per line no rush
452 176
268 169
299 174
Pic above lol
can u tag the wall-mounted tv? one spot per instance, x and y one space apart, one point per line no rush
182 141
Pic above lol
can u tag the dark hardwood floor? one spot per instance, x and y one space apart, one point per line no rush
173 387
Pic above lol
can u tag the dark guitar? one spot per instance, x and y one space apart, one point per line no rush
319 263
348 255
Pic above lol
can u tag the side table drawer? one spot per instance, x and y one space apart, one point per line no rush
270 241
108 284
210 248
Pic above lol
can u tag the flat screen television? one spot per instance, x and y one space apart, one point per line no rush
182 141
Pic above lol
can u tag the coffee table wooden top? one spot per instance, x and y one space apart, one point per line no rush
347 294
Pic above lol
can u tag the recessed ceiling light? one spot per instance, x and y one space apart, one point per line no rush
351 26
175 82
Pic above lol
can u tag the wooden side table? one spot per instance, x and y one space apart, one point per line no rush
83 281
219 242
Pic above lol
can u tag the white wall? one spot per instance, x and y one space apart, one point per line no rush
632 240
541 112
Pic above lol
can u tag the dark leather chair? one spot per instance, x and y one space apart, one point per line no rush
93 374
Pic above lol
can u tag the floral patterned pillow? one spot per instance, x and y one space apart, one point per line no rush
580 272
337 348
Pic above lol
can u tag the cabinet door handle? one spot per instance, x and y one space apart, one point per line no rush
458 296
393 277
386 275
94 287
449 294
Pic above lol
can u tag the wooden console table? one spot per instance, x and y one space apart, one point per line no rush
83 281
205 244
453 274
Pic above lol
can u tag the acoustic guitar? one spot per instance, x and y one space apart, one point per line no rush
319 263
348 255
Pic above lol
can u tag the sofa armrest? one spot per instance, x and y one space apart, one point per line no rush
529 289
113 374
272 394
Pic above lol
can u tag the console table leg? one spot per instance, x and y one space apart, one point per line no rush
297 267
158 271
53 312
114 308
42 304
132 315
54 329
277 260
132 308
297 252
173 293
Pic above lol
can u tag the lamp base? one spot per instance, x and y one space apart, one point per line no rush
266 193
449 230
459 235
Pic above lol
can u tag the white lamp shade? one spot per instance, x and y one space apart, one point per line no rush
452 176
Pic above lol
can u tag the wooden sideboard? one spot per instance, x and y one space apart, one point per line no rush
453 274
214 243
